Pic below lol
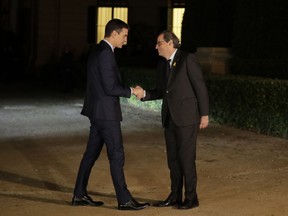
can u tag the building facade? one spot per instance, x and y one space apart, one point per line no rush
46 28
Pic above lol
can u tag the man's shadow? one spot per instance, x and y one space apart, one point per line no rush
30 182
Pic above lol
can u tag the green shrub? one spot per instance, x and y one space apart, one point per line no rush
255 104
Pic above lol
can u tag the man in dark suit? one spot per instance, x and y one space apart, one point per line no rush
184 110
102 107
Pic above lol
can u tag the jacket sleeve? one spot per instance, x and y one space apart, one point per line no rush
157 92
198 84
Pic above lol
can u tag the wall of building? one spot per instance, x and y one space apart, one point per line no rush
148 12
47 28
44 29
62 24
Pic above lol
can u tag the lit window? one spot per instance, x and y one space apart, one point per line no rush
107 13
177 17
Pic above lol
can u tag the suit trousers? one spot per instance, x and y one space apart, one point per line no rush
108 132
181 156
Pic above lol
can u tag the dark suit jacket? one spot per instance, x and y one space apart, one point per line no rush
104 85
185 96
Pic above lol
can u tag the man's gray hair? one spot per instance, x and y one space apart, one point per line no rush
169 35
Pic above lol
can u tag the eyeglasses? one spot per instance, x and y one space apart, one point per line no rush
159 42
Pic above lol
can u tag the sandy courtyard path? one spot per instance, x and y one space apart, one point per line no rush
42 140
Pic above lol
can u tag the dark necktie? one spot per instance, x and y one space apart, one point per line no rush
168 69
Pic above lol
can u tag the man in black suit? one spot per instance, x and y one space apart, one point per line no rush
185 108
102 107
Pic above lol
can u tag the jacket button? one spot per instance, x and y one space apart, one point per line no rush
167 91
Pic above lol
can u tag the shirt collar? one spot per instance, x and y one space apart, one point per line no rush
109 44
172 57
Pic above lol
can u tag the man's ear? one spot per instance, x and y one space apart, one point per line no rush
114 33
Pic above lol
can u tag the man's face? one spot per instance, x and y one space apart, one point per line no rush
162 46
121 38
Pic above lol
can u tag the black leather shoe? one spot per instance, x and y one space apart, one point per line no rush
189 204
86 201
132 205
172 200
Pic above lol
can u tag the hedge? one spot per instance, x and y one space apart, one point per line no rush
255 104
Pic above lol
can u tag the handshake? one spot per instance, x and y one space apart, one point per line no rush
139 92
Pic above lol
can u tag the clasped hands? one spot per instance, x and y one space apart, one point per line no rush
138 91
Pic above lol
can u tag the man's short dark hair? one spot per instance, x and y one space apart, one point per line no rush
115 25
